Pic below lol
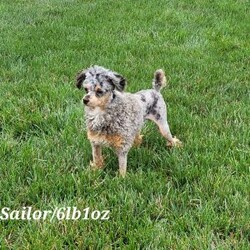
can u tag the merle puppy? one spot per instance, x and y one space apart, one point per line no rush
114 118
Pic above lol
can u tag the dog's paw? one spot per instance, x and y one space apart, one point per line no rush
94 165
175 143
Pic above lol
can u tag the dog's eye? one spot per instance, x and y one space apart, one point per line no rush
99 92
86 90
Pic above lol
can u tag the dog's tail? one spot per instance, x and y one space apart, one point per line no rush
159 80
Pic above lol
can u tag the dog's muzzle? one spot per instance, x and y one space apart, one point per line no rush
85 100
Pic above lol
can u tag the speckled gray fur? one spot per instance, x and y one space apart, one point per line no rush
110 111
123 116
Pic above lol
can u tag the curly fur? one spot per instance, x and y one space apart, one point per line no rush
115 118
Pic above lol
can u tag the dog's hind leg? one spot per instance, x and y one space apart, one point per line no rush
161 121
165 131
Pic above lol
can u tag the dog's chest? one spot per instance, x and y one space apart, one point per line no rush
100 122
102 129
95 120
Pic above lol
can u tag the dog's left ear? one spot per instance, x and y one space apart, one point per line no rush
118 81
80 78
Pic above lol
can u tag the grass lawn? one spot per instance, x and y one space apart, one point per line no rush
197 197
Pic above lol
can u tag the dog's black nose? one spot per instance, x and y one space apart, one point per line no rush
85 100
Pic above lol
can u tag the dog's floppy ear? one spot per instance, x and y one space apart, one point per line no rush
80 78
118 81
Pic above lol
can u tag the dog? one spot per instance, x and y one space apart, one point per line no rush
114 118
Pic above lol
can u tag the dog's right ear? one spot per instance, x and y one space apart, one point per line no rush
80 78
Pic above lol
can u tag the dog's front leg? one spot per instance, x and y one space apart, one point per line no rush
97 156
122 158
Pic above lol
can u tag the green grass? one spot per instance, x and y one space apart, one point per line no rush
196 197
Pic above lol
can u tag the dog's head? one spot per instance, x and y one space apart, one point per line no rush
99 84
